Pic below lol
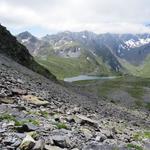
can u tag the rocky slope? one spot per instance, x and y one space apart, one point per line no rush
37 113
10 47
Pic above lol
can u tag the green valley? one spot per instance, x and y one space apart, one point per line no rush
68 67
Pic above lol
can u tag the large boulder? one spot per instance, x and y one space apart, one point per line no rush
84 120
34 100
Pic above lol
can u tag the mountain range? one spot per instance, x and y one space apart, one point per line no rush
73 53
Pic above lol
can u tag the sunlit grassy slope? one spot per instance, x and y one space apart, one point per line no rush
68 67
128 90
142 70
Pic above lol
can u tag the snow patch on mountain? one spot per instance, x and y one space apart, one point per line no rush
25 40
133 44
84 37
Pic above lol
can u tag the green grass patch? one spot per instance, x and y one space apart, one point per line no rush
141 135
142 70
147 105
108 86
6 116
69 67
134 86
10 117
44 114
33 121
135 147
61 125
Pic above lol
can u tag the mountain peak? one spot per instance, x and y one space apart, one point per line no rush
26 32
25 35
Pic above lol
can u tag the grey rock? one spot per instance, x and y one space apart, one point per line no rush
27 127
84 120
146 144
100 137
70 119
39 145
28 143
9 140
17 143
7 100
87 133
95 146
2 130
61 141
18 91
49 147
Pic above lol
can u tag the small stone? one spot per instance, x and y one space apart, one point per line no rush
9 140
100 137
11 123
76 110
17 91
27 127
7 100
114 130
49 147
20 81
94 146
20 135
87 133
39 145
61 141
70 119
28 143
111 141
16 144
57 117
146 144
2 130
108 134
33 134
20 108
84 120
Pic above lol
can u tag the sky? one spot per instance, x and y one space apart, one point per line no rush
42 17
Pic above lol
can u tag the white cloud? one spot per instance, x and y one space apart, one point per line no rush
117 16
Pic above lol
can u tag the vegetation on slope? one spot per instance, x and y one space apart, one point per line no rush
68 67
141 70
127 91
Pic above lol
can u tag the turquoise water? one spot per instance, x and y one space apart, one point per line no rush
86 77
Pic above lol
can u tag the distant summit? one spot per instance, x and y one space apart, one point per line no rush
32 43
25 35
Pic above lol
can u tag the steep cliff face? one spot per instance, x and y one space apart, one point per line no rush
11 48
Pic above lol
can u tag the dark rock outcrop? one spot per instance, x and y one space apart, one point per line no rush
10 47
